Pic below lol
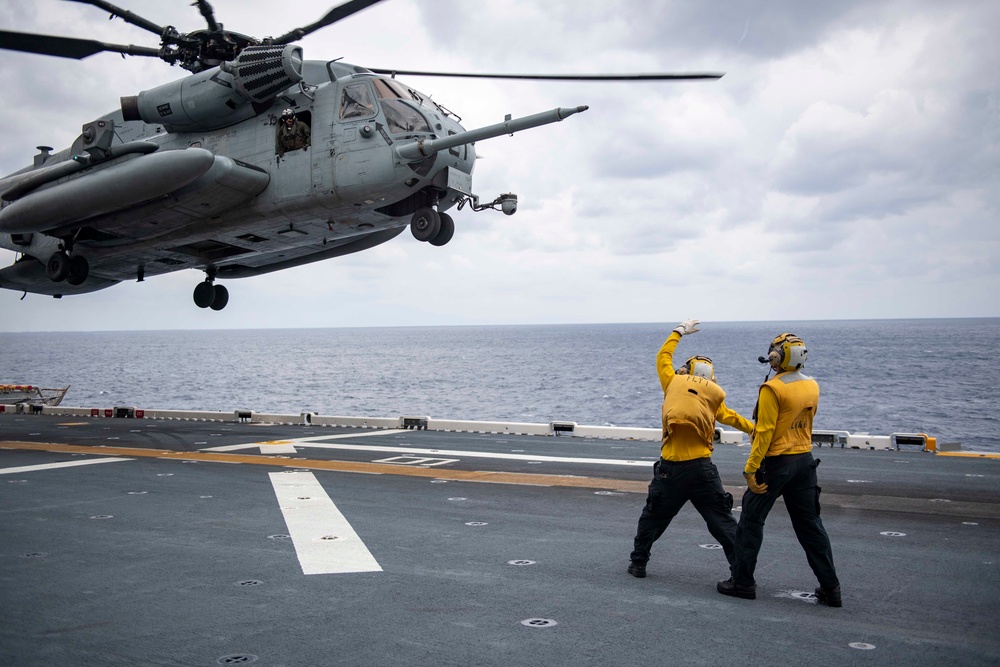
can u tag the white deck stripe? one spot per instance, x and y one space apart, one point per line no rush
312 442
278 447
485 455
63 464
289 444
311 516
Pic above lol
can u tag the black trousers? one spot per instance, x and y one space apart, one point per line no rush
675 483
792 477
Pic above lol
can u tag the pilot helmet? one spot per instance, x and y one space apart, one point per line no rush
787 352
700 366
287 113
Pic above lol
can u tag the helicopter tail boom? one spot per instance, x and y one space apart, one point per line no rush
421 149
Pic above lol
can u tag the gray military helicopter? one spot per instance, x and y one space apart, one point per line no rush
257 161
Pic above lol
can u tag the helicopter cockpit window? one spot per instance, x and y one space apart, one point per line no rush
401 118
356 102
390 88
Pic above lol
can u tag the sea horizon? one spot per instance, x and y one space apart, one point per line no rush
502 324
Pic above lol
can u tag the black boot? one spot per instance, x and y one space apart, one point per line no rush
829 596
637 569
730 587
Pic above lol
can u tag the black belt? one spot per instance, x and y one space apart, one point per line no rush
701 459
787 457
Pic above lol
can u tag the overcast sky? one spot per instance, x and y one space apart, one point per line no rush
847 165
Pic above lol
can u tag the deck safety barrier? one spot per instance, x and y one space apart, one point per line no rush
844 439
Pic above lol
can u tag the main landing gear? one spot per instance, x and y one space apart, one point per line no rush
433 227
61 266
209 295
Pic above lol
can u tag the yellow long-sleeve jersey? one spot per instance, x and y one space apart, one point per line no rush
786 407
691 406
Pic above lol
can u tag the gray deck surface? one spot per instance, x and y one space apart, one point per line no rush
167 561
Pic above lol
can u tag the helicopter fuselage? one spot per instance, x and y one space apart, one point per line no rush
134 198
347 183
258 161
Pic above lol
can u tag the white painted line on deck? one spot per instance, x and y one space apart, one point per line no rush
325 542
289 445
476 455
320 442
63 464
278 447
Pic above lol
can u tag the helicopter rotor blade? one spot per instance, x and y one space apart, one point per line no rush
209 14
334 15
125 15
557 77
67 47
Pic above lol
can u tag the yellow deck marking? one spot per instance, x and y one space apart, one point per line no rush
73 424
530 479
974 455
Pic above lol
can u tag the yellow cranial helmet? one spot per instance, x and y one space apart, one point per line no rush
787 352
700 366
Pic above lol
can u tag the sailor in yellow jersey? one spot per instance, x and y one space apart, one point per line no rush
781 464
692 403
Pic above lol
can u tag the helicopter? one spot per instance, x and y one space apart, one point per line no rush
259 160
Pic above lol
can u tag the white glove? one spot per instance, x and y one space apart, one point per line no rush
687 327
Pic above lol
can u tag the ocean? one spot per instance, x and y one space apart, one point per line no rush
935 376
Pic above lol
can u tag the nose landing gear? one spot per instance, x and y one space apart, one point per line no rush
209 295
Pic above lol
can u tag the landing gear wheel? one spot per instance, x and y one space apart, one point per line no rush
58 266
446 232
204 294
79 269
425 224
220 297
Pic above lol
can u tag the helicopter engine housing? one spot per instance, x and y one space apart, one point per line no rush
221 96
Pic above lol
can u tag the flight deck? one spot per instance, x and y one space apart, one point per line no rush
187 542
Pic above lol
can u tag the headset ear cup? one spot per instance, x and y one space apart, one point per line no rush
784 352
778 352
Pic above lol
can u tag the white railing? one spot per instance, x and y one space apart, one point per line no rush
842 439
